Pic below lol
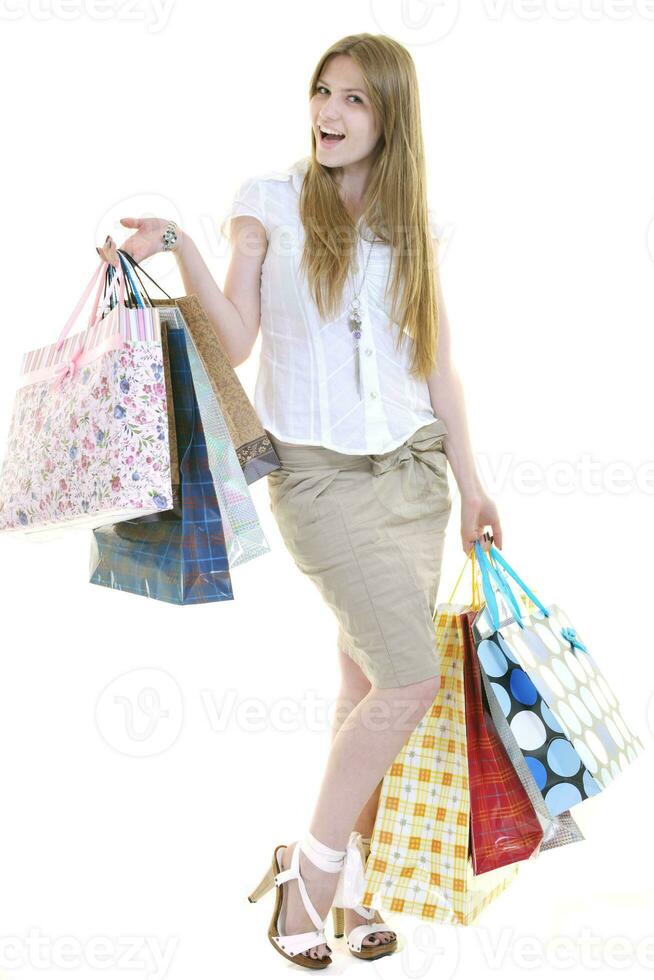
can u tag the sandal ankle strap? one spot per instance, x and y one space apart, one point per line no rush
324 857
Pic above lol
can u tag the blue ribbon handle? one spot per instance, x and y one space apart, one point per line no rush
489 594
488 569
567 632
514 575
500 578
130 275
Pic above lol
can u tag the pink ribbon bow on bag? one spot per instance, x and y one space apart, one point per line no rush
69 368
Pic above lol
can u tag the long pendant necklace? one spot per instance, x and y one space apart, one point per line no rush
355 321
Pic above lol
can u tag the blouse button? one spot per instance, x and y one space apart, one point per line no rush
368 350
373 394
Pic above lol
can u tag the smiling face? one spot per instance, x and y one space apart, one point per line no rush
341 103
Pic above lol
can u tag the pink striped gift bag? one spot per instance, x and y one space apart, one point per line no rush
88 438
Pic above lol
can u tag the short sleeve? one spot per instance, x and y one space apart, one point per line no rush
248 200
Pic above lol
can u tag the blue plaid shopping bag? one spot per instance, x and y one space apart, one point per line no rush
178 555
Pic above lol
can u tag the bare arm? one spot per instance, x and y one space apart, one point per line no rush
448 401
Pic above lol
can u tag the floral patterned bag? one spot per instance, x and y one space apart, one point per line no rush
179 555
88 438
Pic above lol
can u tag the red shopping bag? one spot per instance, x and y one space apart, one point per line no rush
504 827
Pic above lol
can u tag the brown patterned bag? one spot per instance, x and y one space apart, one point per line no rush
253 447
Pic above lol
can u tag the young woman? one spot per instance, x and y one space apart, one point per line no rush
336 260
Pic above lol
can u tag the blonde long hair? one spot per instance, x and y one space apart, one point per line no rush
395 206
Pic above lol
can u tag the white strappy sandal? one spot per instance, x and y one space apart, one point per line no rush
358 850
294 947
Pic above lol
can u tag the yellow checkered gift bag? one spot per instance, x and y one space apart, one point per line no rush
419 851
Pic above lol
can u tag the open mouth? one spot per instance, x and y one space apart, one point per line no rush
330 136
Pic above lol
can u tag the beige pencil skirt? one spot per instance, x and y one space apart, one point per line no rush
369 530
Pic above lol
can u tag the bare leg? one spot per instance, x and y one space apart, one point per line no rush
354 686
365 744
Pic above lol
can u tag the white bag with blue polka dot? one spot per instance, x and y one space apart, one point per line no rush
559 706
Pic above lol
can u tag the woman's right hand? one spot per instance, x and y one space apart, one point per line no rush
147 239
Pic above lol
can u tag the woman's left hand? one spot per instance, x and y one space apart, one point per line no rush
476 512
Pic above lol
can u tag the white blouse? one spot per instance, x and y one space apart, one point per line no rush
306 390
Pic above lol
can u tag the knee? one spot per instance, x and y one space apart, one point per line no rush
428 688
354 682
420 695
352 691
354 688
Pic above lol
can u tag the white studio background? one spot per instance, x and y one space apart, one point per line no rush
153 755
